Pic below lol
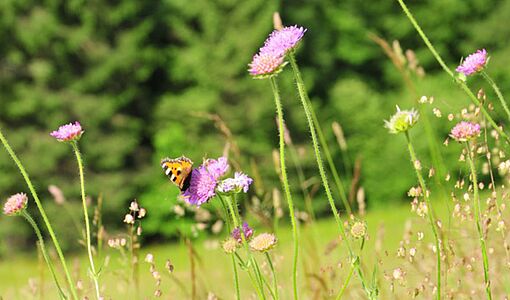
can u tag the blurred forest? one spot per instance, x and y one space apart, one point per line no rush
149 79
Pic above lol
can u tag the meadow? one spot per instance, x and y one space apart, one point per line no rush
354 155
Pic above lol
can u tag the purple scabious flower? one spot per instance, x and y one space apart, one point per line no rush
204 180
68 132
15 204
465 131
217 167
247 231
473 63
280 42
240 182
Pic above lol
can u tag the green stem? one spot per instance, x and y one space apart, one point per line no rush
320 164
234 265
236 277
43 214
43 251
275 280
320 135
236 221
477 213
498 92
430 212
86 216
346 283
286 187
329 158
461 83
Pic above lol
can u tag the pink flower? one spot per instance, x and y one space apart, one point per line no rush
465 131
473 63
265 64
282 41
68 132
15 204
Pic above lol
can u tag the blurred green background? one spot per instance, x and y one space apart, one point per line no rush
149 79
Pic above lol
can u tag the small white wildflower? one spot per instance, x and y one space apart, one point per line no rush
128 219
149 258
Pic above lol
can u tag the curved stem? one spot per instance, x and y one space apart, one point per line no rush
237 221
86 216
234 265
43 215
43 251
275 280
461 83
285 183
346 282
430 213
477 213
306 107
498 92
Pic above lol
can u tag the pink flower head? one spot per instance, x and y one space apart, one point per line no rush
280 42
465 131
15 204
217 167
204 180
68 132
265 64
473 63
247 230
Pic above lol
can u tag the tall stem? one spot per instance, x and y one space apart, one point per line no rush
478 217
430 213
236 220
461 83
234 264
285 183
43 214
94 275
306 107
275 280
498 93
44 253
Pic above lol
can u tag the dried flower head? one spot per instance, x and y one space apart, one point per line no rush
465 131
247 231
358 229
69 132
240 182
280 42
402 120
263 242
230 245
15 204
473 63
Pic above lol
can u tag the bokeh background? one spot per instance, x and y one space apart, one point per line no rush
150 79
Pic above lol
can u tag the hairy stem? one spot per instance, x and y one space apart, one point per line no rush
306 107
94 274
478 217
430 213
285 183
275 280
44 253
43 215
498 93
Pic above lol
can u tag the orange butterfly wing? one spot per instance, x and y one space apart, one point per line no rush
178 170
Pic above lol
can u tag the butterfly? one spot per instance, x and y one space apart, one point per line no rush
178 170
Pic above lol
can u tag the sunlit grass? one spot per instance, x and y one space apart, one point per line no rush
213 266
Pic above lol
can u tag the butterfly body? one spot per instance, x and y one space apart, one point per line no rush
178 170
